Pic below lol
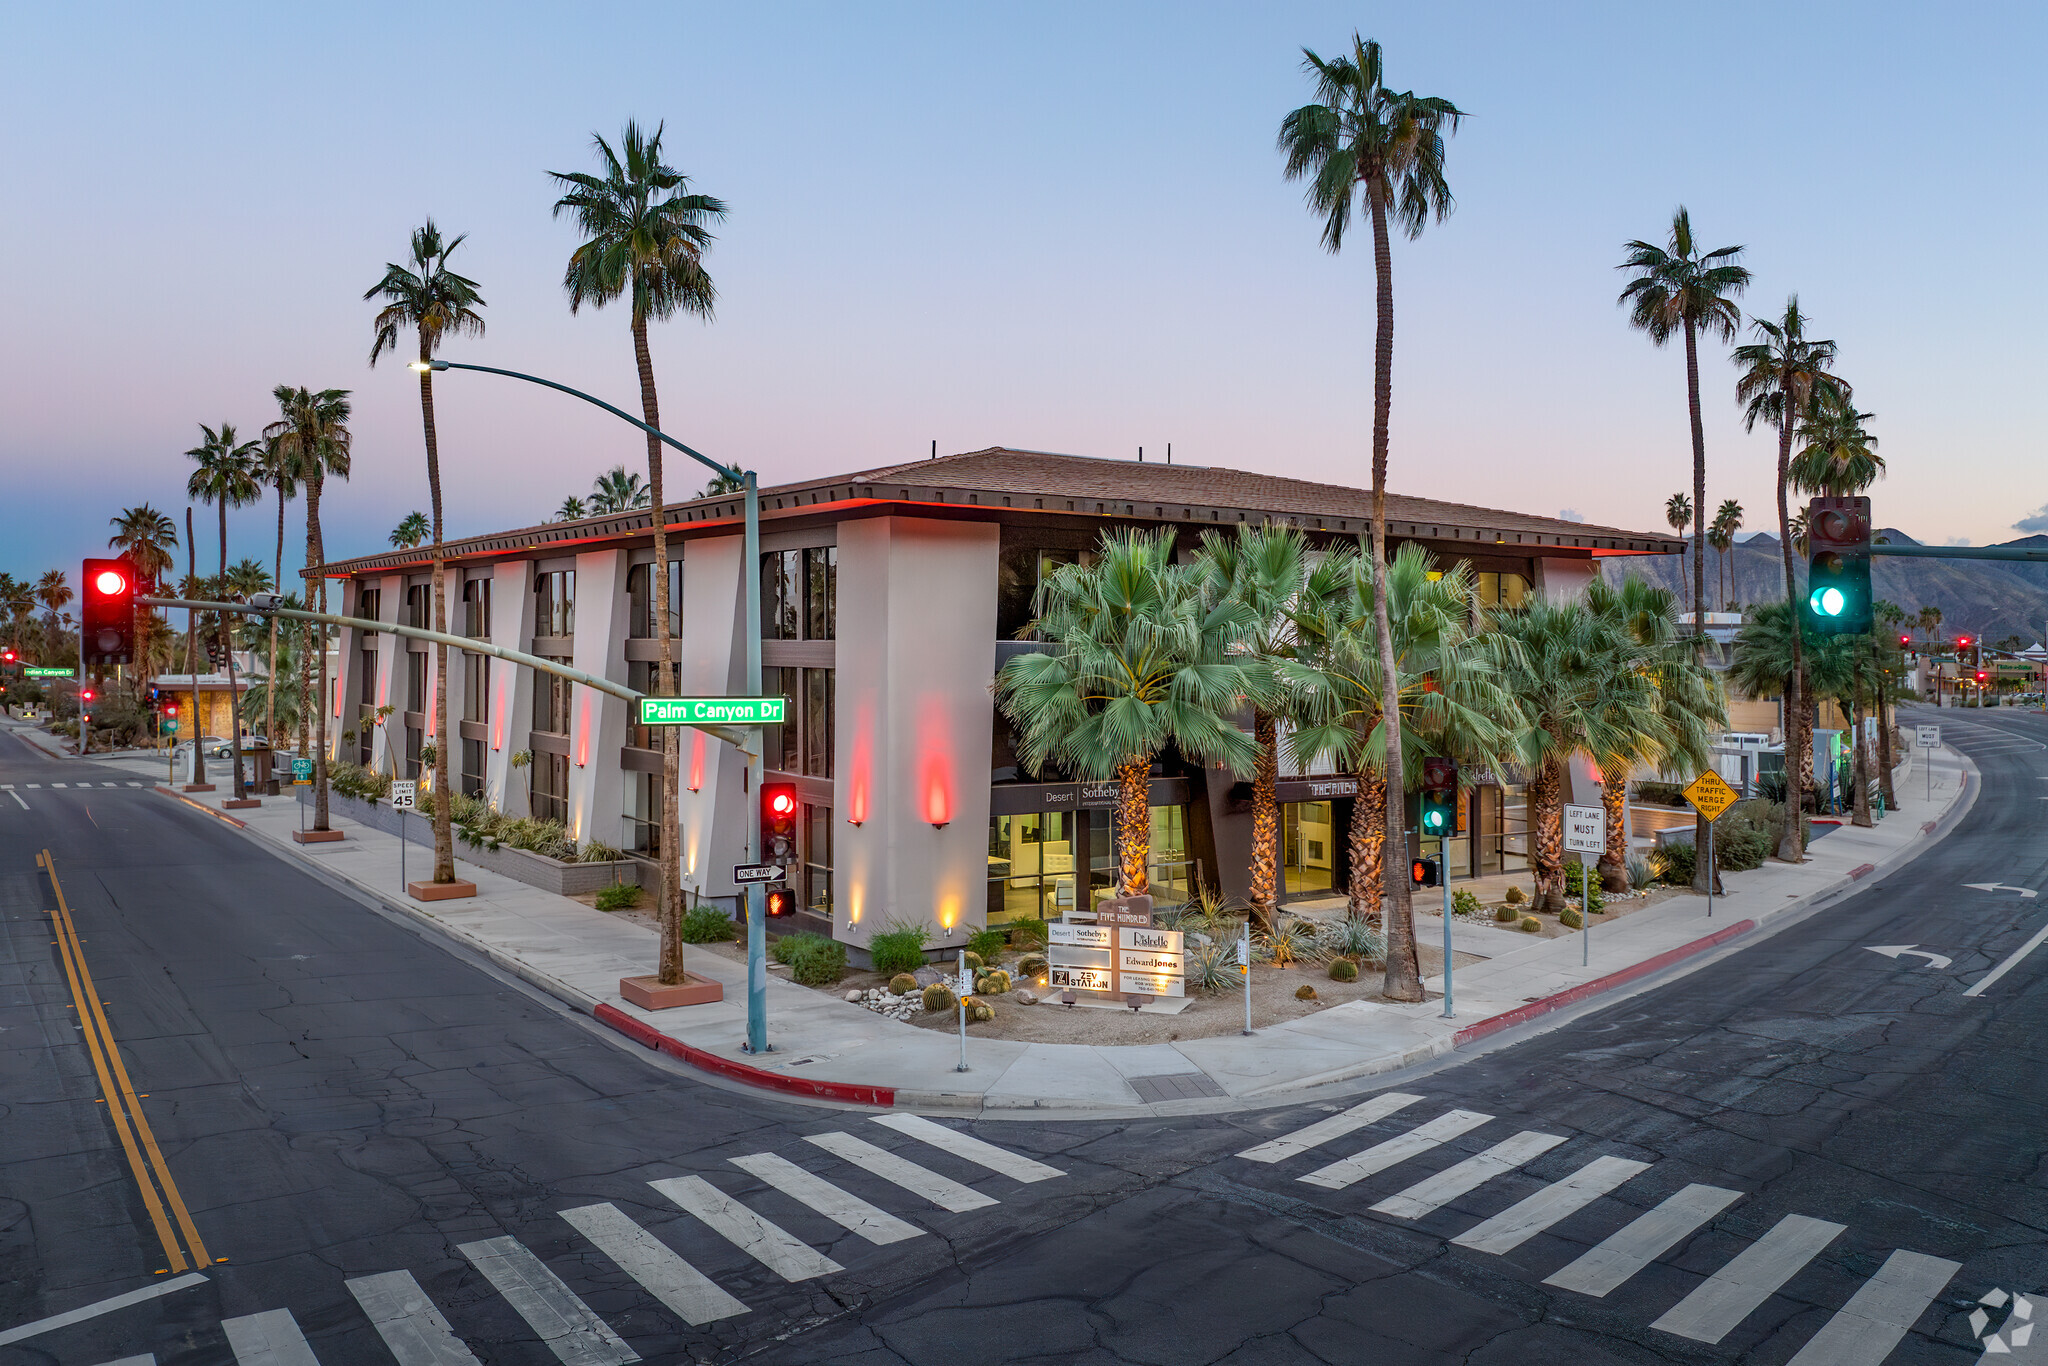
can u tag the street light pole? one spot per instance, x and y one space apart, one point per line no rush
750 582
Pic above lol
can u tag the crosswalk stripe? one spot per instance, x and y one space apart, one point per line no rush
56 784
146 1359
687 1292
1323 1130
1447 1185
998 1160
109 784
764 1242
577 1336
33 786
942 1191
408 1321
1629 1250
1520 1222
1381 1156
1864 1331
271 1338
1731 1294
847 1210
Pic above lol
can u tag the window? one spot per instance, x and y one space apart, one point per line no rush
643 813
641 622
1502 590
476 609
419 605
370 606
800 594
412 767
366 701
1019 571
416 680
818 722
1030 866
554 603
475 761
476 688
1306 838
550 703
548 795
821 592
803 742
817 834
641 677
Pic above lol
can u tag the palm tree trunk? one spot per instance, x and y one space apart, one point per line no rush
669 901
1699 539
444 839
1404 973
1134 825
227 640
1859 769
1546 835
1265 818
1884 738
1368 843
192 652
1797 750
318 702
276 582
1613 800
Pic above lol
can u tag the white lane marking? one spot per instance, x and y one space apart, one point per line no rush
849 1211
688 1292
109 784
94 1310
1892 951
6 787
2026 893
999 1160
18 801
1447 1185
1752 1276
408 1321
146 1359
271 1338
33 786
1323 1130
1381 1156
767 1244
56 784
1520 1222
2010 963
576 1335
1629 1250
1864 1331
942 1191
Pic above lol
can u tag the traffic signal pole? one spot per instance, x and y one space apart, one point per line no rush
757 895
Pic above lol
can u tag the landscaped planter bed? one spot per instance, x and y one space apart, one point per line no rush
550 875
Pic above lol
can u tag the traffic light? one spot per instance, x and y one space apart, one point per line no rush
1838 566
1981 676
7 656
106 628
781 902
1423 872
86 695
1439 814
778 823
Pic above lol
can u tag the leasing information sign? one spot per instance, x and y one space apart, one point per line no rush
711 711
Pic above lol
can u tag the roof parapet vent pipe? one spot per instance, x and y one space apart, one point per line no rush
935 448
1141 455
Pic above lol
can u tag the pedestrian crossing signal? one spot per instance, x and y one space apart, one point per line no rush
1423 873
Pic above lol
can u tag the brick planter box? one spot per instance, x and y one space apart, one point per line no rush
550 875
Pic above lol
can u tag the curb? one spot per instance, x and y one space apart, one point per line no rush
641 1033
200 806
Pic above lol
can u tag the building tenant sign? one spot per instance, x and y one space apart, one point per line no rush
1113 959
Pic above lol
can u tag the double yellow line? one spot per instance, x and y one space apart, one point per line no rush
145 1159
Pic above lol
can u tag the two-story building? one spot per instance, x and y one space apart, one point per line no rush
889 599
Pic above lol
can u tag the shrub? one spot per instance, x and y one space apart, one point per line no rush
938 997
1675 863
1507 914
785 949
1580 881
1032 965
1570 918
1349 938
1305 992
1289 941
1343 970
618 896
703 924
816 961
900 948
1531 925
597 851
1464 901
1515 896
902 984
1027 934
1212 967
1640 873
986 944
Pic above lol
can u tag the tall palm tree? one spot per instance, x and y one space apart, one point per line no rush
644 239
411 530
616 490
1892 668
1839 456
1136 658
226 477
53 591
147 538
1679 290
1783 374
1930 623
434 303
312 435
1388 145
275 469
1260 569
1729 519
17 604
1678 512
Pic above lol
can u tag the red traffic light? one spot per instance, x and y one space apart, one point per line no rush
6 656
1905 641
171 709
782 801
87 694
1962 642
110 583
1981 675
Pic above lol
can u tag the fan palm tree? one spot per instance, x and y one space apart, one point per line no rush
226 477
1447 693
411 530
17 604
1388 146
1930 623
1729 519
274 468
434 303
147 538
1680 291
571 510
1784 372
53 592
1136 658
278 694
1799 533
1260 569
618 491
1839 456
718 485
644 239
312 434
1678 513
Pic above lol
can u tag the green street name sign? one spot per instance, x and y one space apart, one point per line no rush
37 671
711 711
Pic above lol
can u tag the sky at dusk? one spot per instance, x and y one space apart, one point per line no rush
1061 227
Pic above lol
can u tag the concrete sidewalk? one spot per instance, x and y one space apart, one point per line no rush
823 1047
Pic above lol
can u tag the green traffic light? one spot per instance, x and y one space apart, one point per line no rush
1433 820
1827 602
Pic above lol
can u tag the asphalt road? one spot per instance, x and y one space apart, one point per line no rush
340 1100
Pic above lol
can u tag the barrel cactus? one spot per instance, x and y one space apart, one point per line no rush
937 997
902 984
1343 970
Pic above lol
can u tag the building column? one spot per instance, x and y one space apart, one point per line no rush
597 721
385 755
711 661
511 689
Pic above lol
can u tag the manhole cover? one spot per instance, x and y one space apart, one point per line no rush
1175 1086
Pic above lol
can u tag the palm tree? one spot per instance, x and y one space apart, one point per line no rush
645 236
312 436
1839 458
571 510
1679 290
53 592
718 485
1728 518
1136 658
1930 623
274 468
147 538
1260 569
226 477
1388 145
1447 695
618 491
434 303
1783 374
18 603
1799 533
411 530
1678 512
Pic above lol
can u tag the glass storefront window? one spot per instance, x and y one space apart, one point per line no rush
1502 590
1030 866
818 859
643 813
1308 847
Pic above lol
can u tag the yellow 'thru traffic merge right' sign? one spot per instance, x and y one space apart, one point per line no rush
1710 795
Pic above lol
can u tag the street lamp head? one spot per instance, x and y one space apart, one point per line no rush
423 366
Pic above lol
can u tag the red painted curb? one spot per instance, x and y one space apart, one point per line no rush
651 1037
217 815
1862 870
1523 1014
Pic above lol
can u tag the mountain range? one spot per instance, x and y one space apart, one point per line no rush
1988 599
